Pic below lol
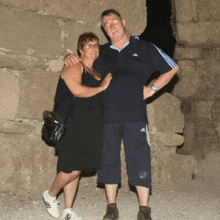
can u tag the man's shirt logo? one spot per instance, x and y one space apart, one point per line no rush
135 55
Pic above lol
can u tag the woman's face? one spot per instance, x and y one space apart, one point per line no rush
90 50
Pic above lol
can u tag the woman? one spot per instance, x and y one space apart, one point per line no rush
80 148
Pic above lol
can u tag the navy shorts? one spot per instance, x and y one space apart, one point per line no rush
137 151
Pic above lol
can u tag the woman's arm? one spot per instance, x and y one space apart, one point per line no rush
72 76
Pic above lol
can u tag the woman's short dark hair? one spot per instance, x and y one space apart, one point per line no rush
85 38
108 12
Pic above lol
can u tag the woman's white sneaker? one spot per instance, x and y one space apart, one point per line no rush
69 214
51 204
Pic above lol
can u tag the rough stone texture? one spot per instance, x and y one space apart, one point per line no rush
168 168
215 110
16 127
10 63
208 10
86 11
166 121
34 36
164 115
37 90
207 167
27 164
185 10
9 93
197 52
182 53
189 80
197 10
201 34
198 79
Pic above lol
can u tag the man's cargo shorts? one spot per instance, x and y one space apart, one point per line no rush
137 152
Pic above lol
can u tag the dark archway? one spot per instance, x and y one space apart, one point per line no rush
159 30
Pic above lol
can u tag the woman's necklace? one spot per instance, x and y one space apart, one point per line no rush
91 71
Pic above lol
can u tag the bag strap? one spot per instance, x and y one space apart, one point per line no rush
65 101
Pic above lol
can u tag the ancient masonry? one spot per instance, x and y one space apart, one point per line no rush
35 37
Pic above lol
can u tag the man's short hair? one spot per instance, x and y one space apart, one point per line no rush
108 12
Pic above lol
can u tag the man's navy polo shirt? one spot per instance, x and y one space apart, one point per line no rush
130 68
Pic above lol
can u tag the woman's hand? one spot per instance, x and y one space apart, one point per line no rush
71 59
106 81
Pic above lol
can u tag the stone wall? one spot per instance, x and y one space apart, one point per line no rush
198 54
35 36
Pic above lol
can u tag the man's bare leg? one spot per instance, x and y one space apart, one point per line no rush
143 195
111 194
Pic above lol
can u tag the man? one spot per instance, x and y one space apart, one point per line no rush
131 62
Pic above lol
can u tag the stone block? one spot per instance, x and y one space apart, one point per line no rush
189 80
203 109
168 168
198 34
186 10
209 71
188 53
205 128
37 90
170 139
28 166
189 138
88 12
208 10
35 35
197 10
208 167
56 65
9 94
13 127
211 53
198 79
10 63
205 137
164 115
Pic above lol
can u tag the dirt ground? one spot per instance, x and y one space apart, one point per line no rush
193 201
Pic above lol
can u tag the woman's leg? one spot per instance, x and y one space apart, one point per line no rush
70 192
61 180
68 181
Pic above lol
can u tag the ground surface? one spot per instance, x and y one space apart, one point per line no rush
193 201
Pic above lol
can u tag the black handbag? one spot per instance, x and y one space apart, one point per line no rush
53 128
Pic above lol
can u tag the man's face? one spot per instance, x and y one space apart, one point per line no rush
114 27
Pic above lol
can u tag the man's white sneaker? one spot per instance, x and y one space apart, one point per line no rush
69 214
51 204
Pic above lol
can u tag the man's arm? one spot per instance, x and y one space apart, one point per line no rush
161 81
71 59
